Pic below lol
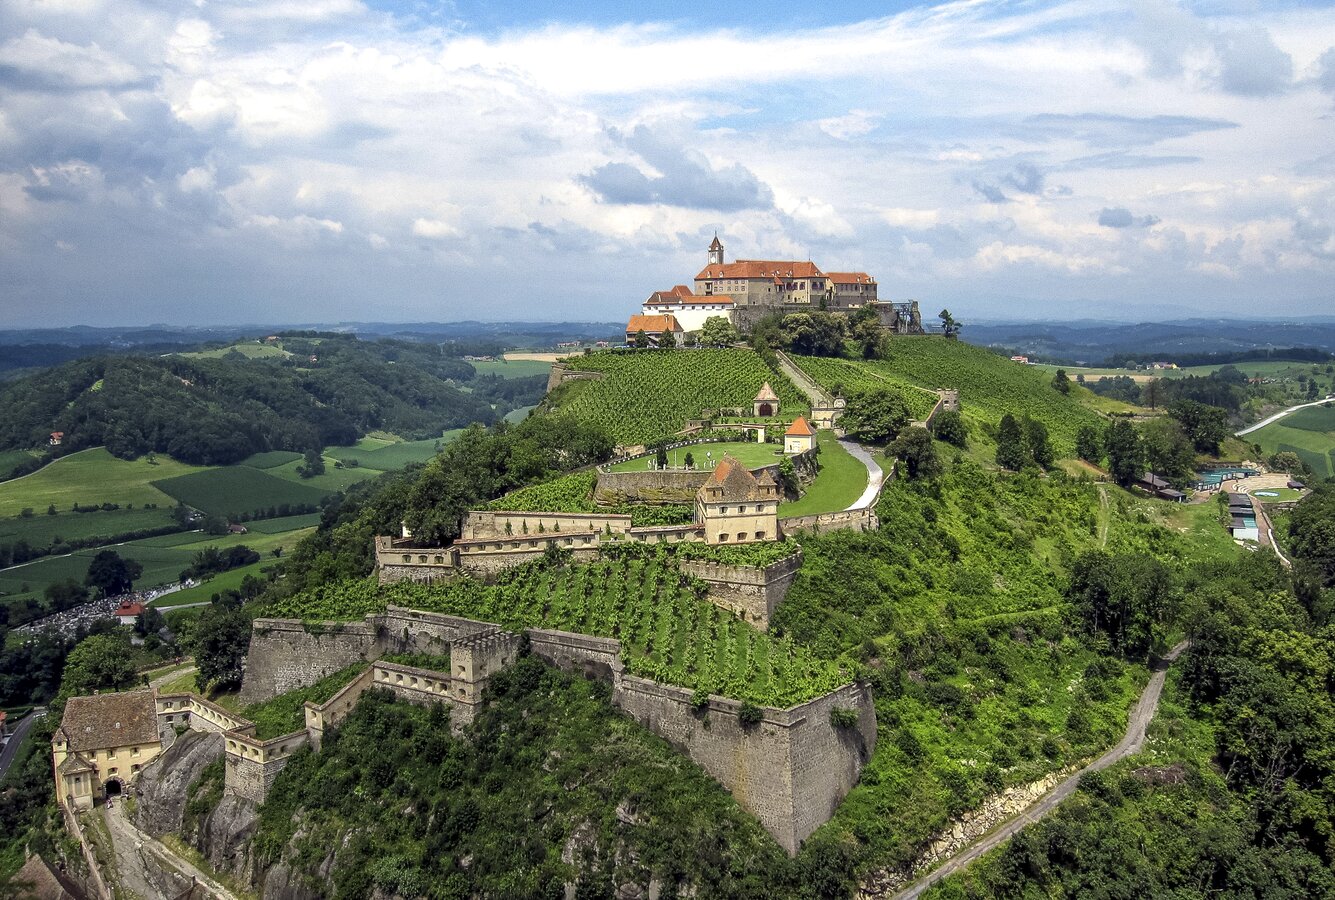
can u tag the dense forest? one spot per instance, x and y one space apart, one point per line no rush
323 390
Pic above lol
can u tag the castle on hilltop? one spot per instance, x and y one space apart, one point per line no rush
746 290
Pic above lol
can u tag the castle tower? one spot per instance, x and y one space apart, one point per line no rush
716 251
736 507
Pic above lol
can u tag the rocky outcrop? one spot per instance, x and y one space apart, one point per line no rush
282 882
162 786
224 837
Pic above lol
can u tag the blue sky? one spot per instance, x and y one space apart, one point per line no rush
300 160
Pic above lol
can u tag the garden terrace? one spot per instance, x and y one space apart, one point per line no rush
849 377
668 631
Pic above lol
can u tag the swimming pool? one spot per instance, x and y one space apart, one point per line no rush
1218 476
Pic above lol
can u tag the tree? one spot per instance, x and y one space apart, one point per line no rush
1167 450
1012 446
949 325
1126 598
717 331
915 449
1061 383
876 415
667 341
864 327
661 458
312 464
949 426
1288 461
689 460
641 341
150 621
1151 393
111 574
221 639
64 594
99 662
1088 446
1206 426
814 333
1037 443
1126 457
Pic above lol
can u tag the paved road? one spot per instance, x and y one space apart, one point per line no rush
10 753
874 474
1130 743
1279 415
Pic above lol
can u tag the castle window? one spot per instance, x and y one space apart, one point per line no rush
760 535
722 537
723 510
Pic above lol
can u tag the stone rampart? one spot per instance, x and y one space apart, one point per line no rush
750 591
789 770
593 657
654 488
561 374
320 717
846 520
252 765
403 630
481 525
286 654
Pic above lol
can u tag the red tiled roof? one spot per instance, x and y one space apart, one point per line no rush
850 277
733 481
767 393
799 427
761 268
129 608
652 324
722 299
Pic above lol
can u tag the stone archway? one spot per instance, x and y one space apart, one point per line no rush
113 787
764 409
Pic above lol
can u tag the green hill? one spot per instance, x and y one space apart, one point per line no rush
1310 433
649 395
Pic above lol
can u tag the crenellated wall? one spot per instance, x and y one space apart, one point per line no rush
286 654
846 520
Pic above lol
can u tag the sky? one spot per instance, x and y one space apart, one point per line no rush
282 161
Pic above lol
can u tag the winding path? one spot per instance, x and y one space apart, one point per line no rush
1130 743
874 474
1281 414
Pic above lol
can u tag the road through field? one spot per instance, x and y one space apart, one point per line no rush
1279 415
1130 743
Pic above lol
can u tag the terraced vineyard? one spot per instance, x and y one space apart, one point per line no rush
666 631
571 493
990 386
648 395
842 377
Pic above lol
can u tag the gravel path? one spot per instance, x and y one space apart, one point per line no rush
1279 415
1130 743
145 867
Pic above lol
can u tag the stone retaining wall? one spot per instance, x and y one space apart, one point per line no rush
846 520
751 592
286 654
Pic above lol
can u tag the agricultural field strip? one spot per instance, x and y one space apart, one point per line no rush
92 477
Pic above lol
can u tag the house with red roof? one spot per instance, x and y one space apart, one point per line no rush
129 611
654 327
799 438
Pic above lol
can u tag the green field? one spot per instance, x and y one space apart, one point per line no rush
42 530
749 453
649 395
1310 433
286 523
11 458
384 456
202 593
248 349
237 489
514 368
332 481
271 459
841 481
92 476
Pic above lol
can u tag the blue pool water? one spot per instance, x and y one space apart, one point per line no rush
1218 476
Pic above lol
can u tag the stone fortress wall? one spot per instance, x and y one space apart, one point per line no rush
789 770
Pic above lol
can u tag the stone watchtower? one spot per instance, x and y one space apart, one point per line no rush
736 507
766 402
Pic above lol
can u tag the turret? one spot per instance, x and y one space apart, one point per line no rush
716 252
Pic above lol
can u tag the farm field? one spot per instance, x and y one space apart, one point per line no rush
666 632
841 481
842 376
249 349
385 456
989 385
284 523
648 395
1310 433
271 459
331 481
748 453
1252 369
202 593
512 368
237 489
92 476
41 530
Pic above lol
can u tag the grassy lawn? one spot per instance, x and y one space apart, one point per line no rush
1277 495
248 349
748 453
385 456
512 368
841 481
332 481
270 459
286 713
1299 433
89 477
286 523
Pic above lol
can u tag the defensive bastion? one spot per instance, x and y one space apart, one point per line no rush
790 769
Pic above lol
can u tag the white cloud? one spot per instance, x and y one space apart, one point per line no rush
434 228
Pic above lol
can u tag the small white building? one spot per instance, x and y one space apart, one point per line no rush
799 438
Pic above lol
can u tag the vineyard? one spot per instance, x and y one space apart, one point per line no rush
843 377
990 386
571 493
667 631
651 395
